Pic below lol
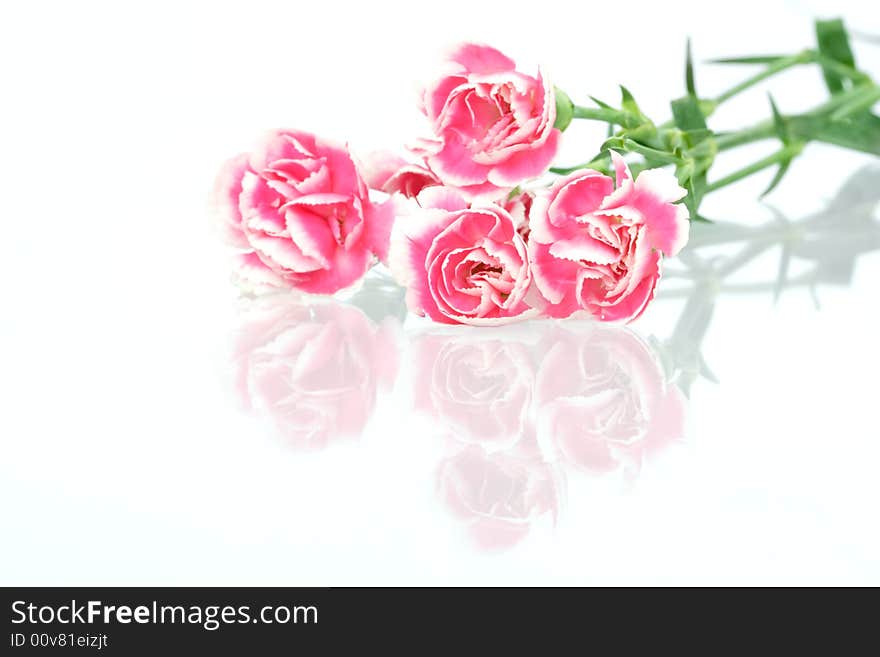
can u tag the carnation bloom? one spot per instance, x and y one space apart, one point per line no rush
492 125
460 264
599 249
300 212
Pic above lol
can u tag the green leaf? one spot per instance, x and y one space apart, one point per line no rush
860 132
629 104
600 103
564 110
779 122
696 186
833 43
645 133
687 114
863 100
689 71
784 133
696 136
780 173
754 59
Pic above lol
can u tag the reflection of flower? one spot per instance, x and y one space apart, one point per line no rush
602 399
596 401
314 370
498 496
479 388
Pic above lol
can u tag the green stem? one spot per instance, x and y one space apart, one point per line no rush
757 132
599 162
599 114
779 156
839 106
864 100
840 68
651 153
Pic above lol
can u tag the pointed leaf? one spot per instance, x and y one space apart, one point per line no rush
600 103
779 122
628 103
754 59
834 43
689 71
696 187
780 172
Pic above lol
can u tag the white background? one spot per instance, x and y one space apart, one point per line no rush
126 455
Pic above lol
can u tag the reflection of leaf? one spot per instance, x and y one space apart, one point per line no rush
861 187
782 276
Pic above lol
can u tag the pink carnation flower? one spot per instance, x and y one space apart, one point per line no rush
599 249
460 264
492 125
300 212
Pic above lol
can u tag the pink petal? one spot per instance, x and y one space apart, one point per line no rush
281 145
481 59
310 233
526 164
554 279
435 97
378 167
578 194
378 221
410 180
667 224
624 182
282 255
484 192
250 269
344 270
455 166
227 190
411 238
583 247
441 198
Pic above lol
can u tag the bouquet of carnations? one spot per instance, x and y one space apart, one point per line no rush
477 223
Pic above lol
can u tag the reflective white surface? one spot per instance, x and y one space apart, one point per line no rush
156 429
